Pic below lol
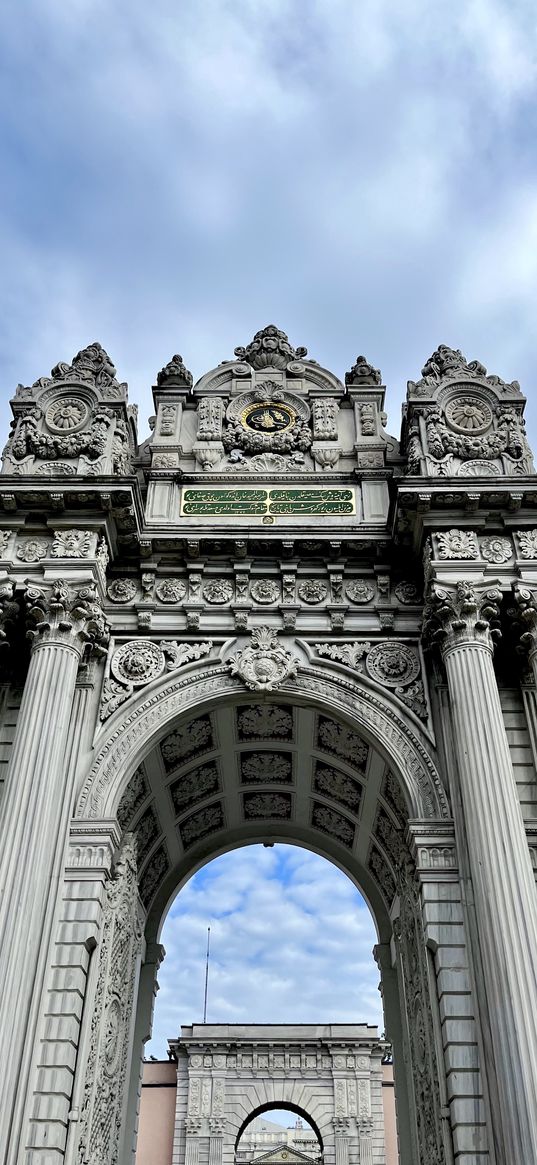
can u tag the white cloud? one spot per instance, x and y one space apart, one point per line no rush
291 942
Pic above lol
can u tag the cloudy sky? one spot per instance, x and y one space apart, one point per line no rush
291 942
178 174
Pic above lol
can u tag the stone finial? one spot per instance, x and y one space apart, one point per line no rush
91 364
174 374
363 373
449 364
270 348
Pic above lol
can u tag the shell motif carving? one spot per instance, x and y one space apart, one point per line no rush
66 415
264 665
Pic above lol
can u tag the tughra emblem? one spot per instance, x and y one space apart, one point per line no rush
264 665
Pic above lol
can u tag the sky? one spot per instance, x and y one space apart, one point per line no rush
176 175
291 942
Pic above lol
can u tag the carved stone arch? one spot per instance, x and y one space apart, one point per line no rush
281 1101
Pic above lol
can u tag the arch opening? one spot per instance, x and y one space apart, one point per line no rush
278 1112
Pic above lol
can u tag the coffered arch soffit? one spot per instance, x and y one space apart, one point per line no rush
199 766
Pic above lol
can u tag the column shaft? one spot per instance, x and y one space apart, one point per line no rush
504 893
37 808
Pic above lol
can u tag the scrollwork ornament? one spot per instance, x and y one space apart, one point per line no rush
265 664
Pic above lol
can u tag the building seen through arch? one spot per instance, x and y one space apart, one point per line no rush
223 1080
269 621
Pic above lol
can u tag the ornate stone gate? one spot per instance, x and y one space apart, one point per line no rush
268 621
227 1073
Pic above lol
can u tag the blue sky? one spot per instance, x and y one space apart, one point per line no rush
291 942
178 174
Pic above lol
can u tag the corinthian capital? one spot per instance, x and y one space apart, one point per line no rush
61 614
9 610
462 613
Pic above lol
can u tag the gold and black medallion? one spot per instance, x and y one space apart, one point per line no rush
268 417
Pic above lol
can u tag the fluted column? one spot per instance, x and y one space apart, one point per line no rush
37 806
365 1144
463 618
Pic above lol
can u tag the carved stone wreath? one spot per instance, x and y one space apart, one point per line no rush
67 415
171 590
265 590
496 549
218 590
359 592
122 590
313 590
468 414
392 664
137 663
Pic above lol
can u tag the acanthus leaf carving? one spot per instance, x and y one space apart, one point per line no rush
71 543
75 617
460 614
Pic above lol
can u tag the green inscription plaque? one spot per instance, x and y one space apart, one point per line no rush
267 501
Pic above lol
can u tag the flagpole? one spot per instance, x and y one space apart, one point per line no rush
206 975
